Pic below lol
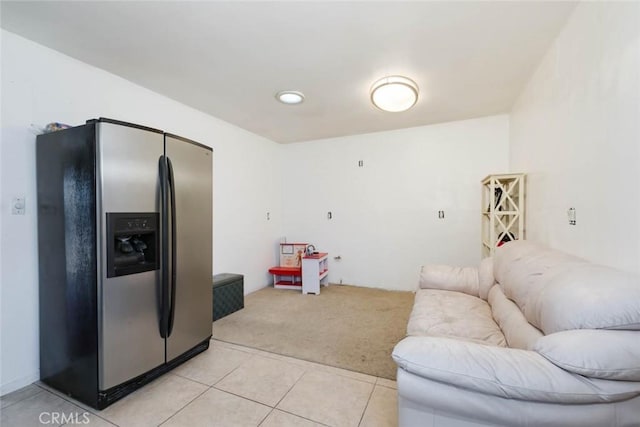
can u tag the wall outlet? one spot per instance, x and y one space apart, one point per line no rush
571 214
18 204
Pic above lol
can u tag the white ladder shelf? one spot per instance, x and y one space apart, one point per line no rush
503 208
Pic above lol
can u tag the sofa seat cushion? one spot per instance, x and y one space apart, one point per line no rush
453 314
504 372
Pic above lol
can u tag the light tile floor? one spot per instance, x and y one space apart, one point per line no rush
228 385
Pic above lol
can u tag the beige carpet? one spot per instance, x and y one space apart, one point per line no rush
345 326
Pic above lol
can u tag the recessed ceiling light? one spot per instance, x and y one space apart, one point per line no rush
394 93
290 97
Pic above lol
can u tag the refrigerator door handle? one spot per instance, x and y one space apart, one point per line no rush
164 228
172 189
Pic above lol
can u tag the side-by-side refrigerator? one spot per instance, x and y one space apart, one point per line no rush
125 256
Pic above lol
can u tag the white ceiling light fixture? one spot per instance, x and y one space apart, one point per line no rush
394 94
290 97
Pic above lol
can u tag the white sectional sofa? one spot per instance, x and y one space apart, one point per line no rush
532 337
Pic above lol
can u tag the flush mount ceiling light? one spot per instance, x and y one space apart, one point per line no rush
290 97
394 94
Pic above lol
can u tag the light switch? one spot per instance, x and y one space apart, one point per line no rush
18 205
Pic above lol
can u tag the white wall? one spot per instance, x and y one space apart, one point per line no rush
385 223
2 210
39 86
575 131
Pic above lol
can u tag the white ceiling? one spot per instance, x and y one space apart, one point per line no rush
228 59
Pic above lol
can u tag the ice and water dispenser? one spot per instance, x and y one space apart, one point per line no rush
132 243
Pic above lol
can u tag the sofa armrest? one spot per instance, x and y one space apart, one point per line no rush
448 278
504 372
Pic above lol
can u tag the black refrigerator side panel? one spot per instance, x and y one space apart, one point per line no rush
66 181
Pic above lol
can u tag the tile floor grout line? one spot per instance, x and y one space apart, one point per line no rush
303 417
92 413
386 379
102 418
230 372
309 419
386 386
4 408
266 416
66 399
187 404
92 410
235 347
312 368
306 367
219 379
73 401
347 376
291 388
320 365
243 397
264 353
190 379
89 409
364 411
274 407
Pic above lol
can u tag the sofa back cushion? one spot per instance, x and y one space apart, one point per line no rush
558 292
612 355
446 277
517 331
485 278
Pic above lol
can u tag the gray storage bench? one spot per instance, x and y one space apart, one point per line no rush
228 294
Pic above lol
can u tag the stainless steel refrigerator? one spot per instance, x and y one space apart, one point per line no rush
125 256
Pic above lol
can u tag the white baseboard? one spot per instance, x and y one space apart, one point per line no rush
18 383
